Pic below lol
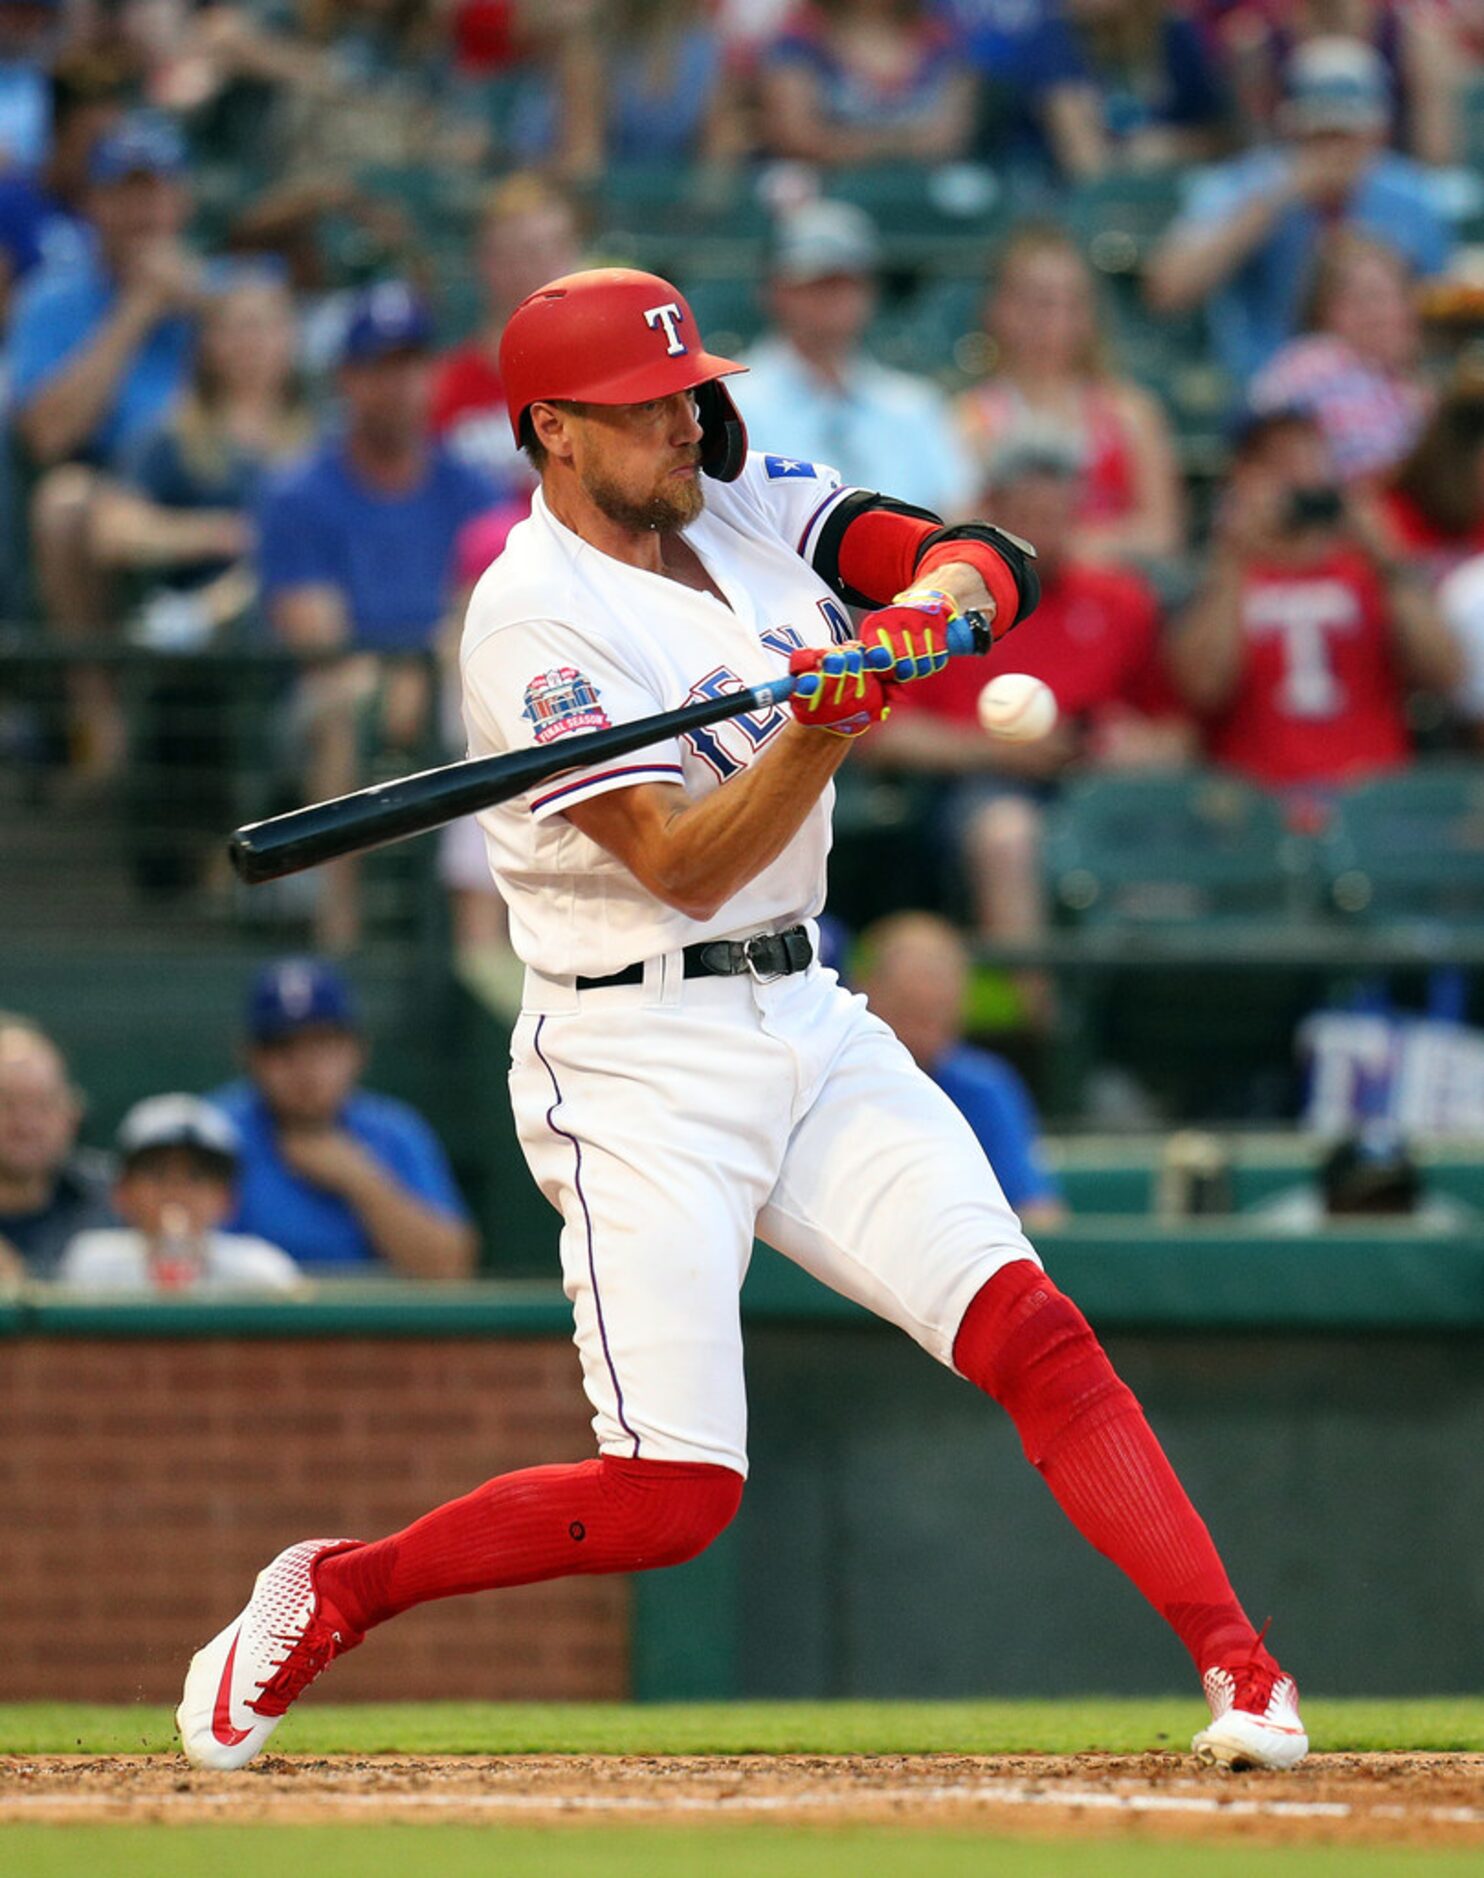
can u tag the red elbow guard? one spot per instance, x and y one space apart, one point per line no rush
873 547
877 554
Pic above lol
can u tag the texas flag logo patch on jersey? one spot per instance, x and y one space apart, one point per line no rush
561 701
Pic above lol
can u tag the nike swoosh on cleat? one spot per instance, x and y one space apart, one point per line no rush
221 1715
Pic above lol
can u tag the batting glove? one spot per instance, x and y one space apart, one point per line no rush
842 689
912 631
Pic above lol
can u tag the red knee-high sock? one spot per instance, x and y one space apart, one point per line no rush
1030 1348
608 1515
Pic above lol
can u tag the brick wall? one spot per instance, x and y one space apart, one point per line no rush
144 1484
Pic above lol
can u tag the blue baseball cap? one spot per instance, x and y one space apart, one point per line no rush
143 144
296 994
385 319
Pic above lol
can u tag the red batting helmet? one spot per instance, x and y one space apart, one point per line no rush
612 335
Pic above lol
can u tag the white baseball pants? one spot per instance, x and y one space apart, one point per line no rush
672 1122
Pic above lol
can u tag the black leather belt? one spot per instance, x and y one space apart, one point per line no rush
765 956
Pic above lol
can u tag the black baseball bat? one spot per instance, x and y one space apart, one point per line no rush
411 805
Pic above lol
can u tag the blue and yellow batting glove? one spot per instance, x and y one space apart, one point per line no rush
912 631
842 689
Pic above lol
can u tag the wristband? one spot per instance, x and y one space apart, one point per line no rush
927 597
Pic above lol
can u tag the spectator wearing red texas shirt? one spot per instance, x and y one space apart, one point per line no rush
1094 639
1301 648
527 236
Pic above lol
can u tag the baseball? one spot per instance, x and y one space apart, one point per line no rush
1017 707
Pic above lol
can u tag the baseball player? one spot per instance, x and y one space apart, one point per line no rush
685 1074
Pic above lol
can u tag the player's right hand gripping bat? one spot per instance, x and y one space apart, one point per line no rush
410 805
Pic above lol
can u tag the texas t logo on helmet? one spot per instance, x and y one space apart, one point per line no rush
590 338
669 316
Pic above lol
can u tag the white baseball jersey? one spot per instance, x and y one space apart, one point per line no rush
561 638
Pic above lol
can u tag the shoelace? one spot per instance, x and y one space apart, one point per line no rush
308 1656
1253 1680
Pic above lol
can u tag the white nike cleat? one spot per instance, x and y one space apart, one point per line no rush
240 1686
1254 1718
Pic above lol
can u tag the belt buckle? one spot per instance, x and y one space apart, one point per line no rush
750 961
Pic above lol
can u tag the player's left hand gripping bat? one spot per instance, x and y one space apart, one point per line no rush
390 811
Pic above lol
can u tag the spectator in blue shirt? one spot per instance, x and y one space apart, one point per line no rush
101 345
1041 108
355 554
1245 245
42 217
345 1181
356 541
99 348
26 29
813 393
1160 97
915 976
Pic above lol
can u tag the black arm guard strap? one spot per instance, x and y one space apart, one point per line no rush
1019 556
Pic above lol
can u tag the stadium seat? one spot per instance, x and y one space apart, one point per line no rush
1170 849
936 331
1409 847
1119 217
952 201
728 311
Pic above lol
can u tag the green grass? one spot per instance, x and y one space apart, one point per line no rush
1433 1724
651 1852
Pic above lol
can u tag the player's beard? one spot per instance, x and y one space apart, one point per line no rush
666 510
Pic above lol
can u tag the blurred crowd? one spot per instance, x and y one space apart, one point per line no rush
245 410
292 1173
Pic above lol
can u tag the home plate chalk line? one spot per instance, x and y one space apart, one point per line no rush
1077 1799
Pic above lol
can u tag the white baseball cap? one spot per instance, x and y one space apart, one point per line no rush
178 1121
823 238
1335 83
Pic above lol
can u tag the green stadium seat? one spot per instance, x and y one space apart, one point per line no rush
1409 847
936 331
1119 217
654 201
1471 106
954 201
1170 849
728 312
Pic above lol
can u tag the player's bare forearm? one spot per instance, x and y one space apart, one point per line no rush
694 854
965 587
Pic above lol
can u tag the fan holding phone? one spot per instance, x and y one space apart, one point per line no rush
1312 628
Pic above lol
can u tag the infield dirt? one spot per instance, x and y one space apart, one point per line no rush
1397 1799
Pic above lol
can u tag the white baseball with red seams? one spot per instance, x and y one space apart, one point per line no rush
1017 707
673 1120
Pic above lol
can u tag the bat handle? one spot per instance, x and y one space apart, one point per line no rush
969 634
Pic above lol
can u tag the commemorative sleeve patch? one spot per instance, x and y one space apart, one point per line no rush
562 701
779 467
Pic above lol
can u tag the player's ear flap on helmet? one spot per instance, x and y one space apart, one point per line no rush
723 433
